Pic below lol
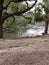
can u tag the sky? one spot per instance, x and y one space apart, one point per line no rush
34 7
30 2
39 1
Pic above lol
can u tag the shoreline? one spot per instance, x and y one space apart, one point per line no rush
25 51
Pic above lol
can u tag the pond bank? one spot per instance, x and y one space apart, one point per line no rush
25 51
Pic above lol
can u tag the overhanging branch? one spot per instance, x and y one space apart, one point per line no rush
15 2
19 13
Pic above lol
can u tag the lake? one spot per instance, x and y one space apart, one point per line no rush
29 31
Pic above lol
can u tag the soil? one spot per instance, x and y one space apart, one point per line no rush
25 51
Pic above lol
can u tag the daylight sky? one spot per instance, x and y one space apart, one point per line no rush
39 1
34 7
30 2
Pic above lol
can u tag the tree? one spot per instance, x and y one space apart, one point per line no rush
46 8
4 15
39 16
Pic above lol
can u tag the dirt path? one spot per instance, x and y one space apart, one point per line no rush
25 51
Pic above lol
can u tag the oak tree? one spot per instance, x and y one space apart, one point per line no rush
6 15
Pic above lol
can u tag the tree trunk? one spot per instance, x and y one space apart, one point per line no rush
1 30
1 22
46 26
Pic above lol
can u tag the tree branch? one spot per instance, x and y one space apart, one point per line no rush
26 17
27 4
15 2
18 13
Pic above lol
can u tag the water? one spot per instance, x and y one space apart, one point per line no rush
29 31
33 31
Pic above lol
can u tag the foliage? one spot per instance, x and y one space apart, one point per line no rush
38 16
46 6
10 9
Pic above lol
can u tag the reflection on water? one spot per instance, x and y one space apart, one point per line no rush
33 31
28 31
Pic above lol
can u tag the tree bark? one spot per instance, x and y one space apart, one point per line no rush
1 22
46 26
1 30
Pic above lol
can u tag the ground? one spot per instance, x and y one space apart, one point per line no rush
25 51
